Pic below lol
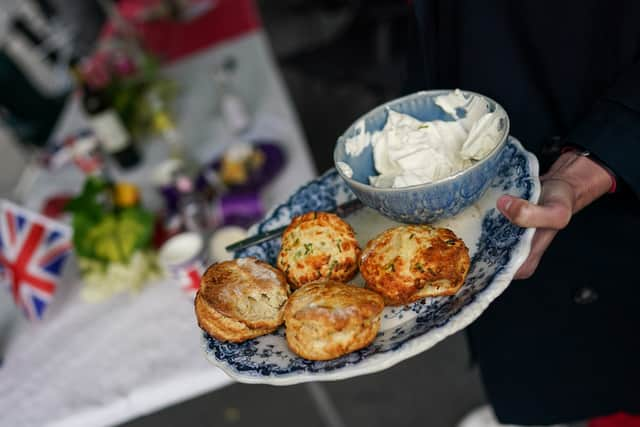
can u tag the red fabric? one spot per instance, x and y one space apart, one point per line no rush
172 40
616 420
53 207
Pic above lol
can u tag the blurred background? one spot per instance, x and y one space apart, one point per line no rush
134 121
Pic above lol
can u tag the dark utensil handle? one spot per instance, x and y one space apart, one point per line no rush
342 211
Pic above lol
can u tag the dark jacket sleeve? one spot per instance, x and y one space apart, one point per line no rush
612 129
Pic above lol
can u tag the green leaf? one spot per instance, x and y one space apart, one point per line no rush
104 235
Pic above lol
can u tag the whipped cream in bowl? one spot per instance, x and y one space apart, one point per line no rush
424 156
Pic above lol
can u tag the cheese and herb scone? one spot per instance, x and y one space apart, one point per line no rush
318 245
407 263
241 299
328 319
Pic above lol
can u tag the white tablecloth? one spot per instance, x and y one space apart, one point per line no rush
102 364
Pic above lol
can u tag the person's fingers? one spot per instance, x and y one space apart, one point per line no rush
554 211
541 241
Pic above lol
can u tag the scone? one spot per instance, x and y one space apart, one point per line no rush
407 263
328 319
318 245
241 299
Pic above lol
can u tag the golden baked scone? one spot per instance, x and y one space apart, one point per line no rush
318 245
328 319
407 263
241 299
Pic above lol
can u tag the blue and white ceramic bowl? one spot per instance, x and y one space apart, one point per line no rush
426 202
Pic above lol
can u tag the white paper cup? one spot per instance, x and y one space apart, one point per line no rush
183 259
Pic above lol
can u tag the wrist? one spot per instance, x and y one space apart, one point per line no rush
588 179
585 153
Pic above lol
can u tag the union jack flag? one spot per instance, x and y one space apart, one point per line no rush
189 278
33 250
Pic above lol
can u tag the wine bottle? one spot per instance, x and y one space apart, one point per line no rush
112 135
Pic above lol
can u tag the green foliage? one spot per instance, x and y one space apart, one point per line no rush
103 233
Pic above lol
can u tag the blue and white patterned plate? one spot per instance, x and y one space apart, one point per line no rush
497 249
